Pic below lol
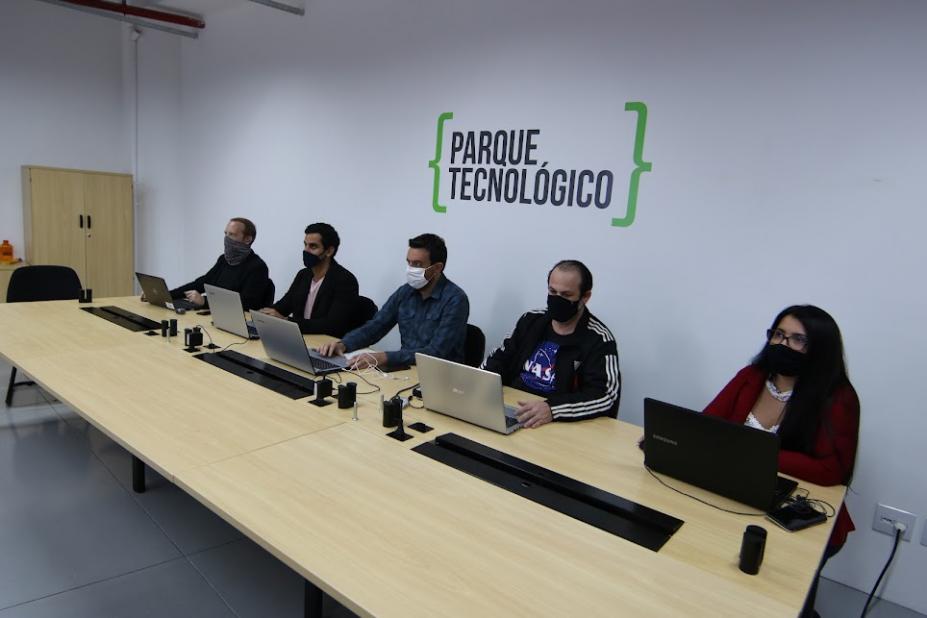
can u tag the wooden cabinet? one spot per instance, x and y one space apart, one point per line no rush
6 271
83 220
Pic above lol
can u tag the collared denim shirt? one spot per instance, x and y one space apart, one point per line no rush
436 325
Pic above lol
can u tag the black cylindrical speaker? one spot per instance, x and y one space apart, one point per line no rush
347 394
323 388
752 549
173 328
164 326
392 412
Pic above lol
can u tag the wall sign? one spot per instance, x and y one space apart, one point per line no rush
508 166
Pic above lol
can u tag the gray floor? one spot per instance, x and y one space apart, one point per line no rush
75 540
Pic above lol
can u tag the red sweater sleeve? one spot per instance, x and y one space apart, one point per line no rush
835 444
736 399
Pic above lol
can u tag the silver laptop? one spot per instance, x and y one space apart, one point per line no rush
157 293
464 392
284 342
227 312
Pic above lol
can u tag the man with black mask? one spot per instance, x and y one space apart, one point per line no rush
324 295
238 269
564 354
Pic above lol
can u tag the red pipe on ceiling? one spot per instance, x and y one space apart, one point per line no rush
135 11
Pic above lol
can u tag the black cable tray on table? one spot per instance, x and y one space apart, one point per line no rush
629 520
123 318
263 374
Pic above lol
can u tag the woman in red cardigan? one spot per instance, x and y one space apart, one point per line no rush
798 387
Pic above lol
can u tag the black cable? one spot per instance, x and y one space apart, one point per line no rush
697 499
802 503
236 343
414 386
212 343
891 557
203 328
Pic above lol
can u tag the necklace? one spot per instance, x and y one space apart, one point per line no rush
776 393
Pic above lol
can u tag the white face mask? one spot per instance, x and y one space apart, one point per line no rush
415 277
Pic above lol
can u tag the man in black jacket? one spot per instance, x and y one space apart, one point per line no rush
564 354
323 297
238 269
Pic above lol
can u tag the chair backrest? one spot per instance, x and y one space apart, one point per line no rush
364 309
474 346
35 283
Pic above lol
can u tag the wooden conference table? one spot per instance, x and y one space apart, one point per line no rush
385 530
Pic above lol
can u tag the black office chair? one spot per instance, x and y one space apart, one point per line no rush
37 283
474 346
363 311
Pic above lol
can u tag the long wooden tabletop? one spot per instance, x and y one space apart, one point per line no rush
389 532
167 408
386 530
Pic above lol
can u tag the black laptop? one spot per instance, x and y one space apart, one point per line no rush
735 461
156 293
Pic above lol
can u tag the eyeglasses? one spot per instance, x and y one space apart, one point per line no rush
797 341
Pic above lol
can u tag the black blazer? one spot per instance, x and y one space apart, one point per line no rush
335 303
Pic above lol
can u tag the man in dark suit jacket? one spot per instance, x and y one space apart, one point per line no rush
323 297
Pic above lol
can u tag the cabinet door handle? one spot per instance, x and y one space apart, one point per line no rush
80 221
89 222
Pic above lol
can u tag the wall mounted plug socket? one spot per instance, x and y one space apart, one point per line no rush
886 516
924 537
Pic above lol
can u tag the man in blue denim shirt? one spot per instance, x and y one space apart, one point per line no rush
431 312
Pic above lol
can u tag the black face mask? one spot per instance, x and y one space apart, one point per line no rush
783 360
310 259
561 309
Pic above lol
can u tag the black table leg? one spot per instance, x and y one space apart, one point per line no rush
313 601
138 475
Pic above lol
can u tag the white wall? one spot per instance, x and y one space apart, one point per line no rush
786 140
60 99
152 63
787 148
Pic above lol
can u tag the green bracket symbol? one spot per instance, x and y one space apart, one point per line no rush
642 166
434 163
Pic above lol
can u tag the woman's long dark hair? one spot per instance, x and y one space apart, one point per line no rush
823 373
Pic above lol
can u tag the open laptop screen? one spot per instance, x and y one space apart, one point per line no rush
731 460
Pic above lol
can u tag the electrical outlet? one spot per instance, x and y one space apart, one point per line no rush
886 516
924 538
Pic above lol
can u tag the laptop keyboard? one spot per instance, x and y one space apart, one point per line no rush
323 365
183 304
510 418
